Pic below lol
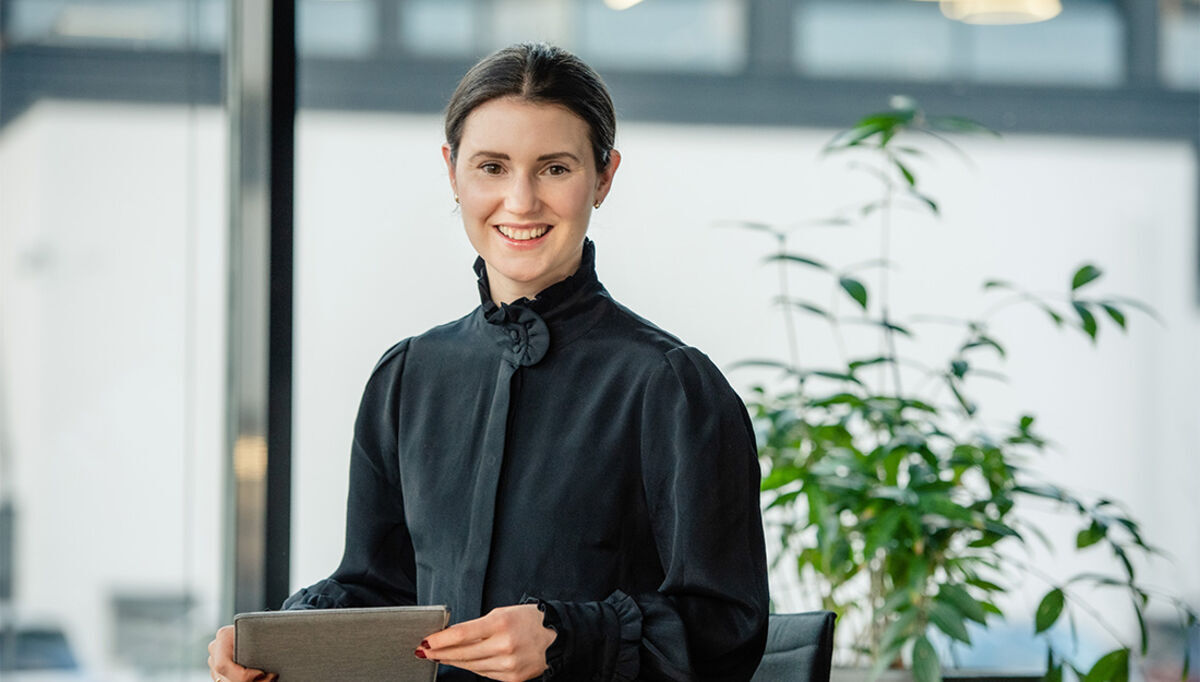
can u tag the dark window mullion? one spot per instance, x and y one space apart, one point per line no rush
1141 23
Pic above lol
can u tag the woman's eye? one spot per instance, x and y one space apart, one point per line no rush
490 168
558 169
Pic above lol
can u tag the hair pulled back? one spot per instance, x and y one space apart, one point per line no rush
538 73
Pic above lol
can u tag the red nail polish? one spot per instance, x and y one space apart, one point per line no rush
419 654
424 644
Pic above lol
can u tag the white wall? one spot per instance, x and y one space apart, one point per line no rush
107 364
381 256
112 299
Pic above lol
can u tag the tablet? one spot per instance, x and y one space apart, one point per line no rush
339 644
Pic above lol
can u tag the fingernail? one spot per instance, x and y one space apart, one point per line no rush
419 654
424 644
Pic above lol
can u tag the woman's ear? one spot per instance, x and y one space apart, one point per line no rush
604 181
449 158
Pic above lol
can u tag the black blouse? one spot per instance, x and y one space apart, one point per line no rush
566 451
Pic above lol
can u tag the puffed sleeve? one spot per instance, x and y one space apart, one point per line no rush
378 567
708 618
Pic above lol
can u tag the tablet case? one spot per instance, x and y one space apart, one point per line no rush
339 644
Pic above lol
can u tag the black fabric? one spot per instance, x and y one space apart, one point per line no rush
567 450
799 648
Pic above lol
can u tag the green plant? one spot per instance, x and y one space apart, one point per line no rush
904 504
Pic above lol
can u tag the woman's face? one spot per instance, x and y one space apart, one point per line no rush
527 180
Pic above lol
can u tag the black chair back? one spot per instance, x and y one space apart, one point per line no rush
799 648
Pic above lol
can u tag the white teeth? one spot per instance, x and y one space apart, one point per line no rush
521 234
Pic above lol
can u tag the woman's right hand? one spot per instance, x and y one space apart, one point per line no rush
221 665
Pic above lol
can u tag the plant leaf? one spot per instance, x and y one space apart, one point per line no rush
861 131
1086 318
1142 631
756 362
949 621
1054 315
968 406
1098 579
856 365
908 176
1134 303
959 368
959 598
933 206
805 306
984 341
1085 275
1049 610
1115 313
879 323
992 609
1090 535
926 667
793 258
1112 667
959 124
856 290
985 585
837 376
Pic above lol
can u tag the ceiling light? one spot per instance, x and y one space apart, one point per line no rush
1000 11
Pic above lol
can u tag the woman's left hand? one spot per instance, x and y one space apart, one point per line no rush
508 644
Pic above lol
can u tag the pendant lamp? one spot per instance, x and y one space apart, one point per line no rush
620 4
1000 11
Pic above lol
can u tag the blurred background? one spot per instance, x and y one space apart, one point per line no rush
116 469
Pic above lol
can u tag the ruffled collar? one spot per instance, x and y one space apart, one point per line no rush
522 330
550 300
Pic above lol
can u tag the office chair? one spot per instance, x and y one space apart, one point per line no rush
799 648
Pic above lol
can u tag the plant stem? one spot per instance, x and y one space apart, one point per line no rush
1084 606
885 246
788 319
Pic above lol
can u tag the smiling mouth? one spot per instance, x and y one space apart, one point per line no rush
522 234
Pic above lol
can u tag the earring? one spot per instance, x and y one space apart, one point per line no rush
597 204
456 199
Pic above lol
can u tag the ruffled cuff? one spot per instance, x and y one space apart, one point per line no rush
323 595
550 620
596 640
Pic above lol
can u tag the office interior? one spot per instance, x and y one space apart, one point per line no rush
119 469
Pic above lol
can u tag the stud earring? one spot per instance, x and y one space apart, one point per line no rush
597 204
456 199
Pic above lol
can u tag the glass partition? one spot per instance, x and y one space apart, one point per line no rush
1179 46
112 271
914 41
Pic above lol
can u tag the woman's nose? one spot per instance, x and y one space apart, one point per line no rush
522 196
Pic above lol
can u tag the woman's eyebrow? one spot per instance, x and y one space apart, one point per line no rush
490 155
558 155
543 157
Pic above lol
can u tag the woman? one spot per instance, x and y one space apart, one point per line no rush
579 486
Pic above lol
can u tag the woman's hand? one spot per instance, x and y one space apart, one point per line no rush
508 644
221 665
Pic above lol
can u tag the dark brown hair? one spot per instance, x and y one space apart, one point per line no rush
540 73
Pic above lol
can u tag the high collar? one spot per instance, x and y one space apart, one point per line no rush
562 311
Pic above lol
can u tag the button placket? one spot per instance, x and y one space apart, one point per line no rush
514 333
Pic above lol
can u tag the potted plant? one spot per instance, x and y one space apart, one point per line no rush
904 506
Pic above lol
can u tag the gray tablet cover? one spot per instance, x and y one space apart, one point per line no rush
339 644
